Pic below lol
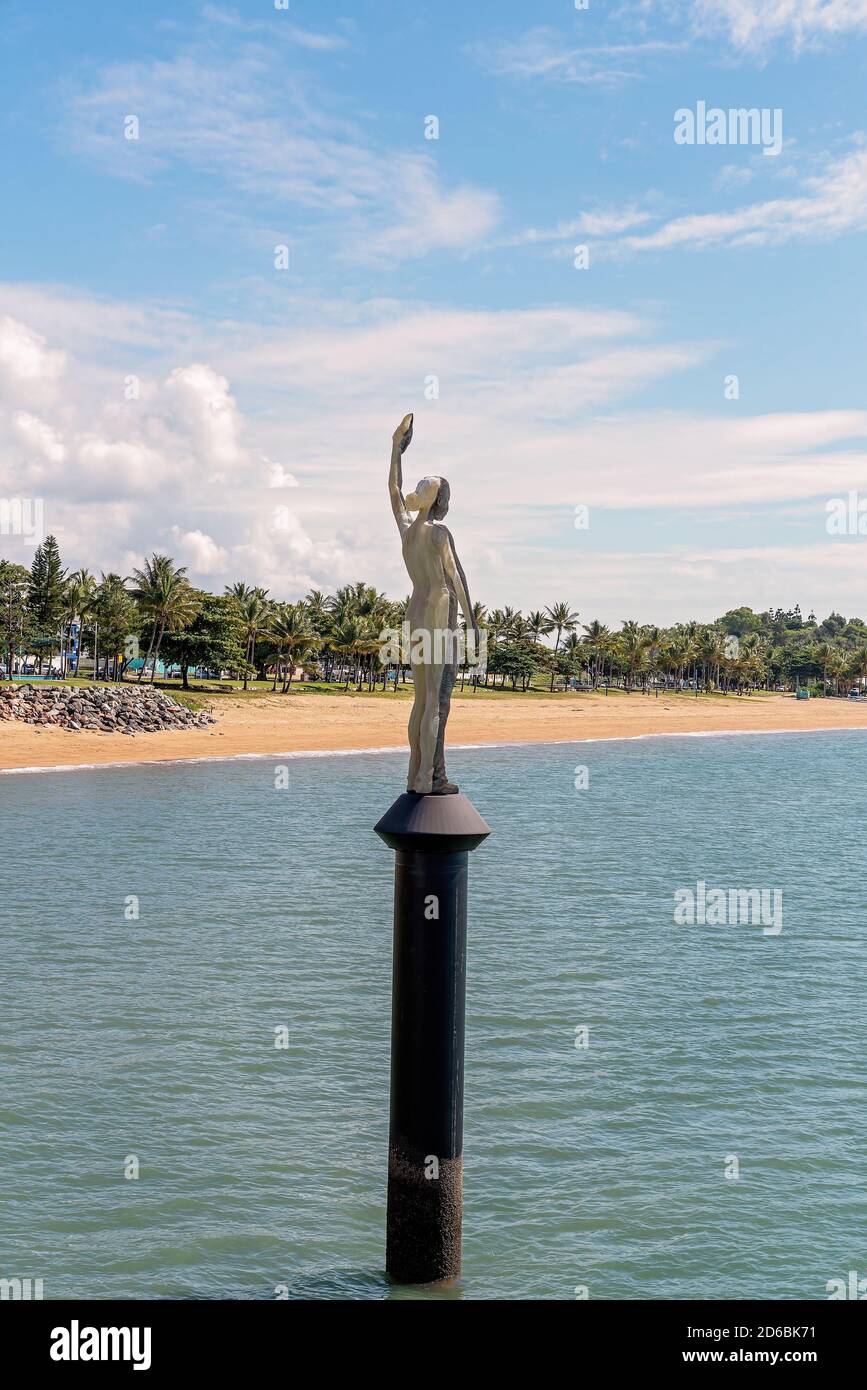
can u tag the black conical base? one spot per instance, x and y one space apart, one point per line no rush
439 823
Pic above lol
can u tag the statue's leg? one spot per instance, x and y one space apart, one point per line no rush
441 782
429 727
415 718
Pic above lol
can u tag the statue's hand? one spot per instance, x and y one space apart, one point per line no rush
403 433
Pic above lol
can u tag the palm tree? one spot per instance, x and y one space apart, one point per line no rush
291 632
596 639
254 611
564 620
572 652
710 650
655 639
275 633
79 593
837 667
858 667
345 640
239 591
368 645
115 616
481 622
167 600
539 625
681 652
633 643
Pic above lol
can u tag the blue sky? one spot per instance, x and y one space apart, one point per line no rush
253 441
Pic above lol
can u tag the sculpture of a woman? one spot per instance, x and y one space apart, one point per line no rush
438 587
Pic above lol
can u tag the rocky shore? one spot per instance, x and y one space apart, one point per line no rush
111 709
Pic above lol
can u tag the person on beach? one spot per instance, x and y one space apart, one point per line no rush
438 586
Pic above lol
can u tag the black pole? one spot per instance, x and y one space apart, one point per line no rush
433 836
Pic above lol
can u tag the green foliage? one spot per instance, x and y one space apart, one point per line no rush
341 637
15 618
46 593
214 638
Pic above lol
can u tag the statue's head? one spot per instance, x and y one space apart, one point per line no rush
431 495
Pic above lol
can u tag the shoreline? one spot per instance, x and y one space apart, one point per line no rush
455 747
319 725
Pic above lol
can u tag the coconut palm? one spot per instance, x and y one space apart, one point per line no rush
239 591
290 631
710 650
594 640
167 602
78 598
539 625
858 665
481 621
633 643
564 620
368 645
254 612
346 638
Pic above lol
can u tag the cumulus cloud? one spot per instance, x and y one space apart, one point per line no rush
27 364
203 409
200 553
120 476
39 437
278 477
538 410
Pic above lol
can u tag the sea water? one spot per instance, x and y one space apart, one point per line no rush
194 1025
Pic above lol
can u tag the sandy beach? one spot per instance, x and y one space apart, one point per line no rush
313 722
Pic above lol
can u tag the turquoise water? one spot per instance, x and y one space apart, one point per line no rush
603 1167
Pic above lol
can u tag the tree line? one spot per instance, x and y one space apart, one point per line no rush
127 625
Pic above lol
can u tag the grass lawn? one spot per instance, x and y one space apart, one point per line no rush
202 693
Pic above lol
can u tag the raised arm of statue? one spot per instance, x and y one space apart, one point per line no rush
399 443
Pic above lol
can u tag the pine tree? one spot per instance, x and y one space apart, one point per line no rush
45 595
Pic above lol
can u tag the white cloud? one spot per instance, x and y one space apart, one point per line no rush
200 553
27 365
754 24
39 437
600 223
278 477
832 204
250 125
203 407
519 429
542 53
290 33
